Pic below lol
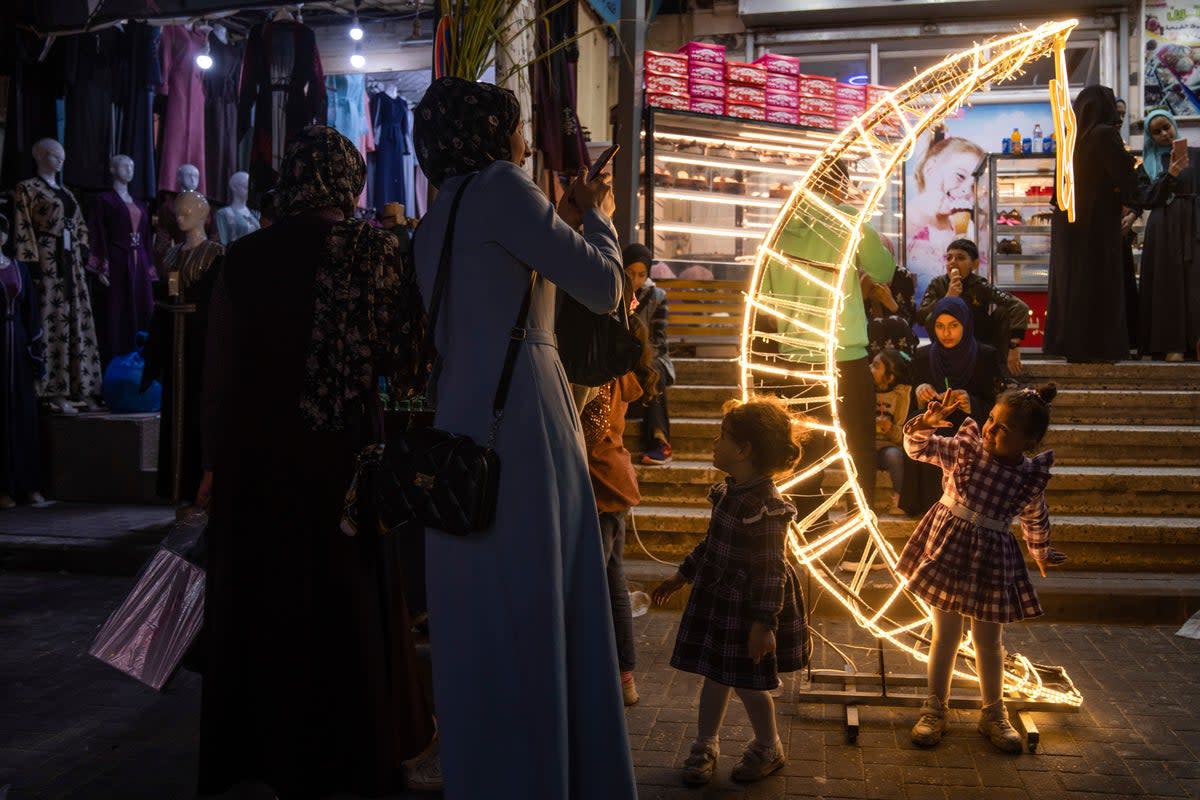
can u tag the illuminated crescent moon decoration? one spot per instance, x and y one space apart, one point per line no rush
789 338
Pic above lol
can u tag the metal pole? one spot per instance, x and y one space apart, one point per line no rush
1123 72
627 164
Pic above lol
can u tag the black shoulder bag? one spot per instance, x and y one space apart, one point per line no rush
444 480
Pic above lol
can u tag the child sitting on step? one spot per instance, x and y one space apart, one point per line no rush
962 558
744 621
890 369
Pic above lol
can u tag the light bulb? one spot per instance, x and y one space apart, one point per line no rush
204 60
358 61
356 31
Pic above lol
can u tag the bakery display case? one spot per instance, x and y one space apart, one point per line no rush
712 186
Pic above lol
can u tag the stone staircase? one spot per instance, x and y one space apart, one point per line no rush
1124 499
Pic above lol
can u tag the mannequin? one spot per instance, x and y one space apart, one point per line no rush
120 260
53 239
21 364
166 226
175 352
236 220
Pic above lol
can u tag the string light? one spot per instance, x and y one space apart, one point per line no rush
808 326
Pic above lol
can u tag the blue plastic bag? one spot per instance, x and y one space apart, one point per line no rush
122 381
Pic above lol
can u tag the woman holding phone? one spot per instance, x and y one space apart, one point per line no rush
1170 290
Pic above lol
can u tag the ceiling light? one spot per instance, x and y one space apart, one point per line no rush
203 59
356 31
357 60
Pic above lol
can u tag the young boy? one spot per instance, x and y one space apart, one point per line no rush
1000 318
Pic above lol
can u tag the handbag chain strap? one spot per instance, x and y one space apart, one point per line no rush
516 336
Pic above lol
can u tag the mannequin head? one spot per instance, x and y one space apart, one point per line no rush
121 168
239 186
50 156
187 178
191 210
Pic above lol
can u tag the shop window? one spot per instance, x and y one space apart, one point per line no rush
1083 64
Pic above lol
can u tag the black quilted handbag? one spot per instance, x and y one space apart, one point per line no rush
444 480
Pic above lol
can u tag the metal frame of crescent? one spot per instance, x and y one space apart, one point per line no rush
914 107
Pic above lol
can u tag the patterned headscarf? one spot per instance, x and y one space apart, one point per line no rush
1152 151
955 364
321 169
460 126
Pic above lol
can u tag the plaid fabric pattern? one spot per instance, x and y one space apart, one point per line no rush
955 565
740 575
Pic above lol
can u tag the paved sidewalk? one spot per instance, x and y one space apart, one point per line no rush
95 538
71 727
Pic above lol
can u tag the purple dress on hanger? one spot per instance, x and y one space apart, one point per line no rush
120 234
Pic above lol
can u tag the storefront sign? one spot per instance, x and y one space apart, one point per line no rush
1171 42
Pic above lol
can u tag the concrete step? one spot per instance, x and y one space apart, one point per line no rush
706 372
1121 375
699 401
1110 597
1124 444
1143 407
1133 543
1074 489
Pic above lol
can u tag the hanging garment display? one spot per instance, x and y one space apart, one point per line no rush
52 238
34 88
220 117
137 77
120 240
349 114
283 88
88 135
559 136
20 366
181 139
390 118
234 223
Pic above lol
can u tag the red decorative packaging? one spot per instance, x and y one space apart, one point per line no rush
671 101
746 112
705 71
874 93
745 74
705 106
816 86
780 65
666 84
707 90
851 94
788 116
816 121
782 99
665 63
745 95
703 51
848 110
781 83
816 105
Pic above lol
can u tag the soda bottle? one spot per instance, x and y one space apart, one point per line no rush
1016 141
1038 144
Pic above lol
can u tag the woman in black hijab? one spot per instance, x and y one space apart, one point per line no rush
310 682
1086 315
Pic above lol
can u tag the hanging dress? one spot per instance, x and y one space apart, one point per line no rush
182 134
120 238
21 364
220 117
390 117
137 75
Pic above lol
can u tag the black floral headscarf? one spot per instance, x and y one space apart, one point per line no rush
321 169
460 126
368 322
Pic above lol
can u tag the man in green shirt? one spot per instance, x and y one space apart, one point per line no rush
819 237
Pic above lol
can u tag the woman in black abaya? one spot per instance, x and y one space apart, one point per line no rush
1085 320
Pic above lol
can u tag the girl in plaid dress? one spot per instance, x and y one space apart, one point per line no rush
744 622
962 558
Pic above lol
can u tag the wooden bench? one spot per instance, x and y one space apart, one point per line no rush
705 313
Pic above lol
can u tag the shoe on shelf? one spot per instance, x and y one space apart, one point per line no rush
994 725
60 405
629 692
701 762
424 773
931 726
7 502
659 454
758 762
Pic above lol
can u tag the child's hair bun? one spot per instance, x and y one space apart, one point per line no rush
1047 393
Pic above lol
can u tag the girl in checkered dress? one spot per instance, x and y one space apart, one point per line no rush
962 558
744 622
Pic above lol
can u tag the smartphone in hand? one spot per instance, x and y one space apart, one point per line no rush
601 162
1179 150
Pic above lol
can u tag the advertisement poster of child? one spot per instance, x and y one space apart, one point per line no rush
946 183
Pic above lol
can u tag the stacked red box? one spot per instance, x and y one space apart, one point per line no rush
706 71
705 77
851 103
779 65
746 112
741 74
665 80
703 51
891 125
816 86
816 101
